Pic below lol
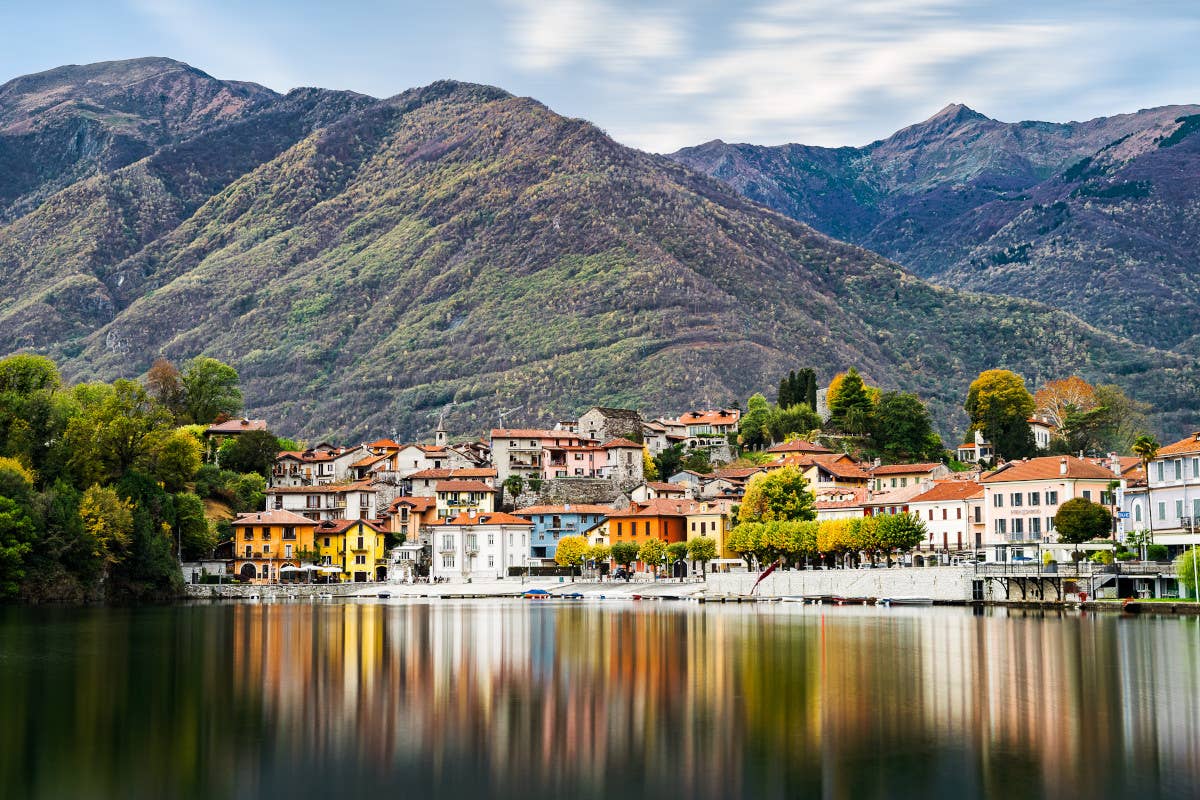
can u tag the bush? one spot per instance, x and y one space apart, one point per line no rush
1157 552
1125 555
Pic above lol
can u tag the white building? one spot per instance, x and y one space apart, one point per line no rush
1169 503
327 502
479 546
952 511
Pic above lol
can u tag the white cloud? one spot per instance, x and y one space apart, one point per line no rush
550 35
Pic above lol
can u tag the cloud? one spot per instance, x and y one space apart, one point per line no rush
550 35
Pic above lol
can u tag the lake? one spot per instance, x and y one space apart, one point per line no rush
507 698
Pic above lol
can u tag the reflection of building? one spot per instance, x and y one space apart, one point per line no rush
266 541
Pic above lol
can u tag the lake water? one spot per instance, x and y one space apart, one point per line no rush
536 700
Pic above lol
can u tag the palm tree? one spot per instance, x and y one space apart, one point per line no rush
1146 447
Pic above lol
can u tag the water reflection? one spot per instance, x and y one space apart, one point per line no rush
508 699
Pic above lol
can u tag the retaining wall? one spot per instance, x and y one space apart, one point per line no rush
224 590
939 583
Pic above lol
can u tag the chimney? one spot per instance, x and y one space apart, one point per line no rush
1114 463
1062 466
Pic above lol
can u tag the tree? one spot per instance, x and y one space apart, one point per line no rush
172 456
676 551
1080 520
252 451
702 549
570 551
999 406
901 428
1146 447
598 553
795 420
211 389
752 428
781 494
1057 400
108 522
112 430
745 539
624 553
1121 420
1186 567
165 386
850 408
652 553
668 462
649 468
697 461
193 533
513 484
17 533
899 533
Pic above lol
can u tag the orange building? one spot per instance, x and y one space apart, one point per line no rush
660 518
266 541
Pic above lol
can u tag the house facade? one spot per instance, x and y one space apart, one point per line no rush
551 523
266 541
355 547
952 511
1167 501
325 502
479 546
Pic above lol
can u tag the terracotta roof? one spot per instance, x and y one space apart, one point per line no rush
897 496
838 464
237 426
719 417
532 433
858 497
1048 468
904 469
736 473
384 443
660 486
621 443
947 491
1190 444
487 518
967 446
462 486
343 525
798 446
466 472
431 474
325 488
658 507
306 455
276 516
573 508
367 461
430 450
417 503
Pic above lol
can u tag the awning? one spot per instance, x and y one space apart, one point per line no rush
330 569
289 568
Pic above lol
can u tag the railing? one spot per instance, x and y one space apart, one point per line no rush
1074 570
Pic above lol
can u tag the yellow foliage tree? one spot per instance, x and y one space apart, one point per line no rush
108 520
1058 399
570 551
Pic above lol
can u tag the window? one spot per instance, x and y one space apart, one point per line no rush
491 561
1052 498
931 515
1162 512
1178 469
448 542
1035 498
893 483
1001 527
1196 467
903 482
1049 524
1137 513
491 540
1196 510
448 561
287 551
312 501
979 513
1015 499
998 500
959 511
249 537
693 525
943 513
1018 529
247 551
556 522
1159 465
1035 527
364 500
703 528
1178 509
619 529
289 533
266 534
266 549
360 559
646 527
472 542
1087 494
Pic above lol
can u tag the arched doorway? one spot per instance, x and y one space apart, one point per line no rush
247 572
381 573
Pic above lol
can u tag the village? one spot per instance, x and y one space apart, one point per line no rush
499 507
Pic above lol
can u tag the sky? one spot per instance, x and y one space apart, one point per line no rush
665 75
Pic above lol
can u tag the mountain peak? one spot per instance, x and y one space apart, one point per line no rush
955 113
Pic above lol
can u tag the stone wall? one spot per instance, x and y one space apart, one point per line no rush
559 491
243 590
939 583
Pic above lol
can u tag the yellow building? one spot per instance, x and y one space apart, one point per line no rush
711 519
460 497
265 542
355 546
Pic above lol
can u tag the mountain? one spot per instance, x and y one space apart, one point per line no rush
369 261
1098 218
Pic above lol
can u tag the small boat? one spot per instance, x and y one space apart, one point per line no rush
536 594
904 601
384 595
571 596
850 601
792 598
818 599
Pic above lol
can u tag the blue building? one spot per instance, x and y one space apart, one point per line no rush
551 523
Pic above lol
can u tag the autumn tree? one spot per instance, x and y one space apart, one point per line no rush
676 551
164 383
649 469
999 406
252 451
1057 400
108 522
781 494
570 551
652 553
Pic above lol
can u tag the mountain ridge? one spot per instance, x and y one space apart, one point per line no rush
457 243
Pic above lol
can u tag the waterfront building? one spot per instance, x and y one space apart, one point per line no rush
325 502
711 518
518 451
552 522
266 541
1021 498
479 545
455 497
900 476
661 518
354 546
1167 501
952 511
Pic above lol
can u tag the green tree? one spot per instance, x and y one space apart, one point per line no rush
108 522
110 432
899 533
149 572
513 485
676 551
697 461
1080 520
781 494
668 462
252 451
172 456
570 551
1186 569
193 533
702 549
999 406
850 409
17 534
745 539
1121 421
795 420
211 390
652 553
752 428
624 553
598 553
902 430
1146 447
